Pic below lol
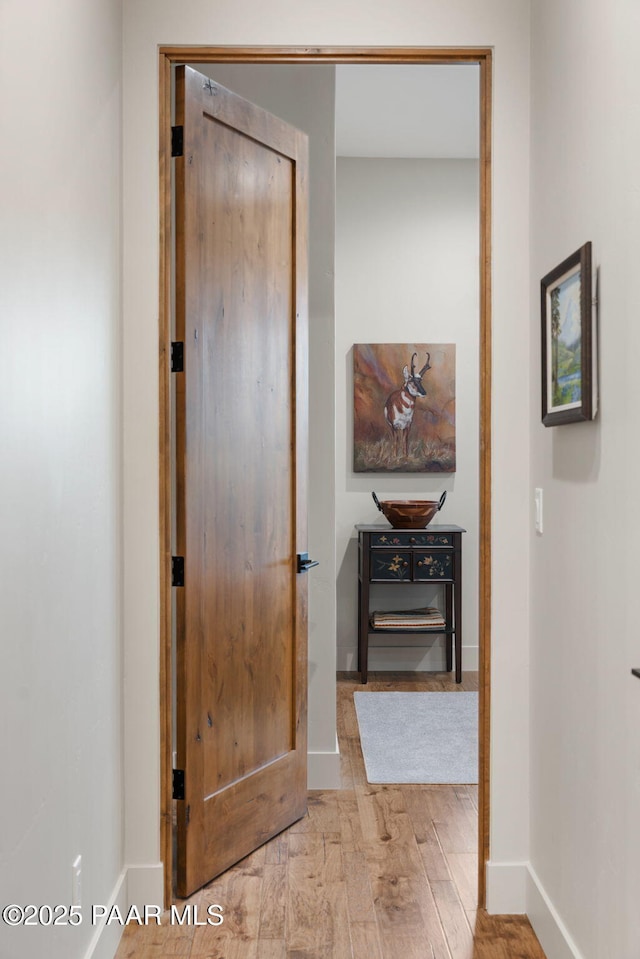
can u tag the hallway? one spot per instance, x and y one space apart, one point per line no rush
372 872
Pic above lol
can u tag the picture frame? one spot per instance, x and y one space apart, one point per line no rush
568 341
404 407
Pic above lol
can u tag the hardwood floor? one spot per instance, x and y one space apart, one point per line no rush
371 872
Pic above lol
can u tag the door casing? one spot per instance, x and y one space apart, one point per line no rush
168 56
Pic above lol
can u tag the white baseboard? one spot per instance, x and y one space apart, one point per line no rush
145 885
136 886
404 659
323 770
548 926
471 658
506 888
514 888
346 659
106 939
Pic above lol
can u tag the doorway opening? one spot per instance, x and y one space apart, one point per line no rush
482 58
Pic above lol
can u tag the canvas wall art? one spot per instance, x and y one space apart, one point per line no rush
404 407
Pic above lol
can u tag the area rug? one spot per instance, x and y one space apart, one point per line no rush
419 737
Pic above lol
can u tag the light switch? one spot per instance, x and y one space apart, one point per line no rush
538 502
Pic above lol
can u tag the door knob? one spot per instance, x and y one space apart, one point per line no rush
304 563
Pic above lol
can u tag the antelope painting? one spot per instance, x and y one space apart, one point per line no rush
398 410
404 407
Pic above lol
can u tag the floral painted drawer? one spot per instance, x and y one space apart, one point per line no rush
397 538
432 566
390 565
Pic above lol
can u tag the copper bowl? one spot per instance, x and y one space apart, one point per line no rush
409 513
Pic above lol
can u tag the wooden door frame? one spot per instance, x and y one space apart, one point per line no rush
169 55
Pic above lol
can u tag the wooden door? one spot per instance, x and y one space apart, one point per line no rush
241 435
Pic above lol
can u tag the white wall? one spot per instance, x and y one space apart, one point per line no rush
585 705
503 24
60 490
305 97
407 247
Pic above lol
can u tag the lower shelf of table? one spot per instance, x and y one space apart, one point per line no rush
448 631
433 630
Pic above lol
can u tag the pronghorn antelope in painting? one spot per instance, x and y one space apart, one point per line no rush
404 407
399 407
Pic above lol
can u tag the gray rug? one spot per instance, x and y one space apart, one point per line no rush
419 737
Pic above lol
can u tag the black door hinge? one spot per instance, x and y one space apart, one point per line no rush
177 570
177 141
178 783
177 357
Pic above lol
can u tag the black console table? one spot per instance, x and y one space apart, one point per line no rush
411 557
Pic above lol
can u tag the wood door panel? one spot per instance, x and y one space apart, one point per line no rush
248 812
247 427
241 458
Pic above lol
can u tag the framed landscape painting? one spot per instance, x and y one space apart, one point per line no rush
568 343
404 407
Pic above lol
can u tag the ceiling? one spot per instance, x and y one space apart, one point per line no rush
417 110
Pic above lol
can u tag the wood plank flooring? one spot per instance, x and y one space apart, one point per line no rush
371 872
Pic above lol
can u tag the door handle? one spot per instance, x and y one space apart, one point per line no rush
304 563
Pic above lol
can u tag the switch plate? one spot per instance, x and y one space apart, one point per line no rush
76 882
538 502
